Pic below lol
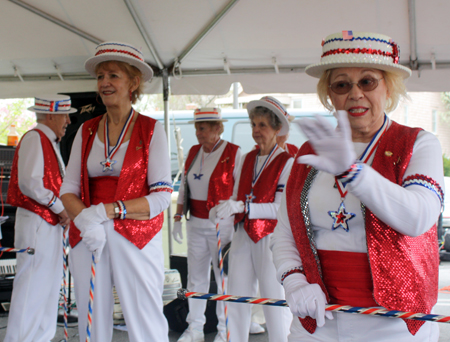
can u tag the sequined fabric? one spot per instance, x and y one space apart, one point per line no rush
52 180
404 269
132 182
264 192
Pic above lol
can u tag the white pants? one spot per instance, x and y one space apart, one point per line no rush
202 250
251 263
34 301
138 276
347 327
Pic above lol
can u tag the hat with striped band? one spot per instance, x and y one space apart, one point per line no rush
359 49
52 104
122 52
207 114
275 106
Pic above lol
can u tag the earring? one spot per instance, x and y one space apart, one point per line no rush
131 96
98 100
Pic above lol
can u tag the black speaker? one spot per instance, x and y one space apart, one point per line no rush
88 106
177 310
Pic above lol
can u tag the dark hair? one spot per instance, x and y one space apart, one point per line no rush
261 111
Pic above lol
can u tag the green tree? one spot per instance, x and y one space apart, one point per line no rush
446 165
14 111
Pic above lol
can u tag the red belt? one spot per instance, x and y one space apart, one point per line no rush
198 209
102 189
347 277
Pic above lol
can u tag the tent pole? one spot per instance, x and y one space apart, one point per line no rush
413 62
165 78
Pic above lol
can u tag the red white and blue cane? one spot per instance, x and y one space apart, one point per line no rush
66 334
17 250
91 300
183 294
219 251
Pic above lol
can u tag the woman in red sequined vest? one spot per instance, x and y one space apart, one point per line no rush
254 204
117 186
357 222
208 177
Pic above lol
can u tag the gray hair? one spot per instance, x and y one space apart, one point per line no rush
265 112
40 117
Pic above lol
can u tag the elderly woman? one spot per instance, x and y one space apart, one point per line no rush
116 189
255 201
208 177
357 221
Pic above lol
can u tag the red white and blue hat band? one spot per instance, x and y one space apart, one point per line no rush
57 104
207 114
119 49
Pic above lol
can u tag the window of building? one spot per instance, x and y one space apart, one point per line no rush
297 103
434 121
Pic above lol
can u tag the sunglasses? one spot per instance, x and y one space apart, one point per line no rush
365 84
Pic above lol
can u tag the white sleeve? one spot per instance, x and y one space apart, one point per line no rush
410 210
31 172
181 190
237 173
72 179
269 210
237 164
158 171
284 250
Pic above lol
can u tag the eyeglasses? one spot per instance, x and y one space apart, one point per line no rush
365 84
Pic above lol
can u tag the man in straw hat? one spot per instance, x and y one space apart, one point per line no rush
36 177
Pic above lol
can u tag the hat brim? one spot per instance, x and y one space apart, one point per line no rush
91 63
40 111
203 120
284 121
316 70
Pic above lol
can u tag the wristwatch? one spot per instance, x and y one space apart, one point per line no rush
116 210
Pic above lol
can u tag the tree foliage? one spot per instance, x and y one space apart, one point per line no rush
446 100
446 166
14 111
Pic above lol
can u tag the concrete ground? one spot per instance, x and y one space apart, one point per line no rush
442 308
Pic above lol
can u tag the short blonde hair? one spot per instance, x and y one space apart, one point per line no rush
394 83
131 72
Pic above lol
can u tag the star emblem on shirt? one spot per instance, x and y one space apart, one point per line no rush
107 164
341 218
198 176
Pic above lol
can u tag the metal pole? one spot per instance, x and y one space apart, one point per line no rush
165 77
236 95
413 62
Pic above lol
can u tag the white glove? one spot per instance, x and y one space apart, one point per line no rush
95 214
213 215
95 239
229 207
305 299
177 232
334 147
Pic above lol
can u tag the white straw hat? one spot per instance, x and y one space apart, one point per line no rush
207 114
52 104
122 52
275 106
359 49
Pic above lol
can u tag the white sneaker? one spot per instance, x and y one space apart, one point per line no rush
193 335
255 328
221 336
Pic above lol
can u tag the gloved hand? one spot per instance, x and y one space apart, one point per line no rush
94 214
229 207
95 239
177 232
305 299
334 147
213 215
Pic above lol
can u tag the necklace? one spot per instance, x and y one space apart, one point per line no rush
109 162
200 174
341 216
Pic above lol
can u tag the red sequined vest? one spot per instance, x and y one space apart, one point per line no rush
52 181
291 149
264 192
404 269
221 183
132 181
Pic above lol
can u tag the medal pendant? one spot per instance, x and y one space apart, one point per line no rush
341 218
249 198
107 164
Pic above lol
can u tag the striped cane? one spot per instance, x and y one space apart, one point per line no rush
91 300
219 251
28 250
66 334
183 294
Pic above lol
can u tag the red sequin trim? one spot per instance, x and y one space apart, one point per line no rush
288 273
394 55
101 52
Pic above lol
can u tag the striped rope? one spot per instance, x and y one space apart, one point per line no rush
16 250
91 300
219 251
183 294
66 334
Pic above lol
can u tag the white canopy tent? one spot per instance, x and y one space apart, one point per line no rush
263 44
